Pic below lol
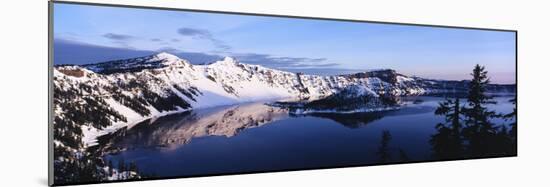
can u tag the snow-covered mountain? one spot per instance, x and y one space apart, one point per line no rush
95 99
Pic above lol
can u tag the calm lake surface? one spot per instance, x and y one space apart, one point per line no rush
254 137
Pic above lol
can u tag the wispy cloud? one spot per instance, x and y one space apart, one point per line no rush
205 35
119 37
283 62
199 33
156 40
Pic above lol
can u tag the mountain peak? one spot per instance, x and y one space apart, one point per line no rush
229 59
166 56
226 61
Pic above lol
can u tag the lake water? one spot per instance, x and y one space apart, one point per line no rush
254 137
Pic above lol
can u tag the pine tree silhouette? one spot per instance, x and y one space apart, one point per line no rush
480 131
469 131
512 117
447 142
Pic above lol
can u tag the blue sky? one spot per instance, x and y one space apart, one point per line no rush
311 46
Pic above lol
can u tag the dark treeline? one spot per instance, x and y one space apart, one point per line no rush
468 130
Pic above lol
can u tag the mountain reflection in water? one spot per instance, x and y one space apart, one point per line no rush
256 137
180 128
228 121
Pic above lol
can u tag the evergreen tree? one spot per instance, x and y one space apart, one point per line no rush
468 131
447 142
479 131
512 134
512 116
